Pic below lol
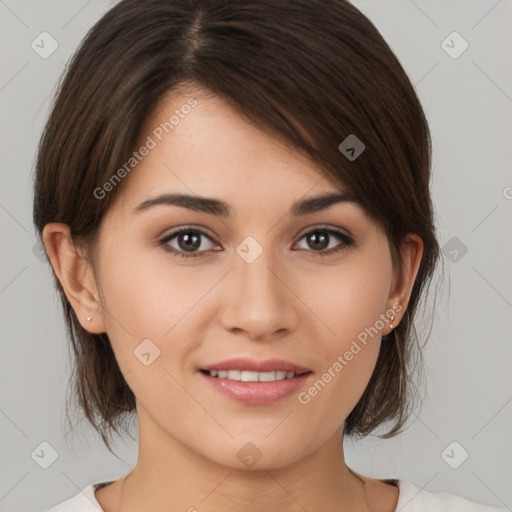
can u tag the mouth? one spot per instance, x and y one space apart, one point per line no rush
250 376
256 382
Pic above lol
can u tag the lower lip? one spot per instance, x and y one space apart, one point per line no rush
257 393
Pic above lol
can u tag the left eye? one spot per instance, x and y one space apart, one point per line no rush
320 239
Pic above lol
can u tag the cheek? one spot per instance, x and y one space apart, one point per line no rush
348 300
147 304
148 293
149 297
350 297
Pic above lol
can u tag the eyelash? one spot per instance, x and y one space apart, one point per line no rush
347 241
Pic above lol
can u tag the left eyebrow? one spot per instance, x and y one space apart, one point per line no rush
222 209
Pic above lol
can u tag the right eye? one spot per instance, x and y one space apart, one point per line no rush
188 241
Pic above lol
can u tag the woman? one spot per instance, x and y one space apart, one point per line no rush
234 198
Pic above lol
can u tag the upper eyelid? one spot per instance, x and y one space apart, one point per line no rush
334 230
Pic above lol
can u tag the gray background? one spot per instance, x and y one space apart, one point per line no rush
468 101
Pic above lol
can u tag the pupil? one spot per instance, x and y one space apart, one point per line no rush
191 241
318 241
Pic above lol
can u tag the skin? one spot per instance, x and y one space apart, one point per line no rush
290 303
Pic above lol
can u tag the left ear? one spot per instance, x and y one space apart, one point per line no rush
412 252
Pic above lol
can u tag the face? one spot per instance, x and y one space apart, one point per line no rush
183 290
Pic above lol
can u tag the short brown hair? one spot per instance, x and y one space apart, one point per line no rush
311 72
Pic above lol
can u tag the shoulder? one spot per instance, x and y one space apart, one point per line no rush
84 501
415 499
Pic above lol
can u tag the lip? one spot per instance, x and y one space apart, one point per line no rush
268 365
257 393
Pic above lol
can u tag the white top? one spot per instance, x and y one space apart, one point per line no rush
411 499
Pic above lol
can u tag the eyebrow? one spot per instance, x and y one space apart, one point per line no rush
222 209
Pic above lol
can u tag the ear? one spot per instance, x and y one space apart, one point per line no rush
75 275
412 252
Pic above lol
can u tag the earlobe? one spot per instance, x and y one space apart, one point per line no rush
75 276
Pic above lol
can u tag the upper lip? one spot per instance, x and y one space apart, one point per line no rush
268 365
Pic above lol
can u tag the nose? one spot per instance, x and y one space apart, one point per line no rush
258 299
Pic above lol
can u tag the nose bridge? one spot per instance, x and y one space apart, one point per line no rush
253 270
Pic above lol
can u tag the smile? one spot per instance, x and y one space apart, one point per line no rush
250 376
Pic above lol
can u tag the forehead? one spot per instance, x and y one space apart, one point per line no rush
200 144
212 152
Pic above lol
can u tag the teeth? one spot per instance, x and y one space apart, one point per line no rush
248 376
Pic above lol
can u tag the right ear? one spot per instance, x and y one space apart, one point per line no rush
75 275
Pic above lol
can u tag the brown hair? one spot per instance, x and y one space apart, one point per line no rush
311 72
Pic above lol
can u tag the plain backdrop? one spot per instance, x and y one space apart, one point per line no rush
459 441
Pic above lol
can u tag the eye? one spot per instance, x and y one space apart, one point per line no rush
188 241
321 238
